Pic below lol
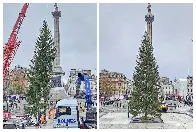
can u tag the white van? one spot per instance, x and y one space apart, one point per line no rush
67 114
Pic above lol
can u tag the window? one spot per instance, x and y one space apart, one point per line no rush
63 110
191 90
188 90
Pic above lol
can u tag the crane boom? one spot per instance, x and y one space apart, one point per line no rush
85 78
12 45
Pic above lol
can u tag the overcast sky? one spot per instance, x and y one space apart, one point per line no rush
78 33
121 30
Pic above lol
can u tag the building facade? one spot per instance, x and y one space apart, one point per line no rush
117 84
167 87
74 76
129 87
18 80
180 87
190 87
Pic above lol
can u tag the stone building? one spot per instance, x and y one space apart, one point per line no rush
190 86
129 87
184 87
180 87
18 81
117 80
72 81
167 87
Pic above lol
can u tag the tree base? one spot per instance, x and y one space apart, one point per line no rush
149 120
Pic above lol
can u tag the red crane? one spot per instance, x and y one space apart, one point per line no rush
12 45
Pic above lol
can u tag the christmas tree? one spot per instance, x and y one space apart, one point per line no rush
145 96
41 70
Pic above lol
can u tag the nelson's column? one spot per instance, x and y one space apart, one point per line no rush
57 91
57 70
149 18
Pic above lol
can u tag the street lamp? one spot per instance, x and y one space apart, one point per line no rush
128 111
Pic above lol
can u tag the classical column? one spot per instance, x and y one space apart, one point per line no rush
56 64
149 18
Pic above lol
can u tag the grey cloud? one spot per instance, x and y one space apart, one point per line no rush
121 29
78 30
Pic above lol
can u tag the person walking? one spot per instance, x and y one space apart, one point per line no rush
49 113
53 113
42 118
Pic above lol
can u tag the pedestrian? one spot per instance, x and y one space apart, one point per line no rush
11 104
42 119
16 105
23 126
39 116
53 113
49 113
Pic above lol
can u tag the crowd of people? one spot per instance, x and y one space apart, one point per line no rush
11 101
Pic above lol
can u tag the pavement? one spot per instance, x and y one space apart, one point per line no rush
49 124
184 110
121 121
111 117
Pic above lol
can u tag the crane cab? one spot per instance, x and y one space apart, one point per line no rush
67 114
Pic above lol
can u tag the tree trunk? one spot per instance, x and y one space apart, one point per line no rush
146 114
